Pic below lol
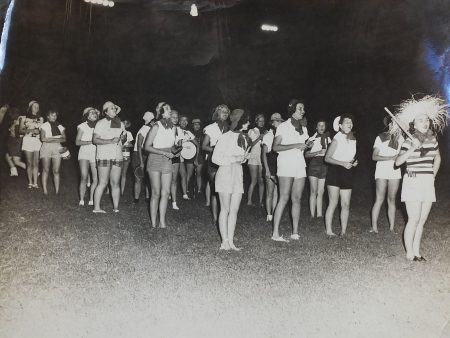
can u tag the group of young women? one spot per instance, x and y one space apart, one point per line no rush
275 156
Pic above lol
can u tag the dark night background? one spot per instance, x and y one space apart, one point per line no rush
339 56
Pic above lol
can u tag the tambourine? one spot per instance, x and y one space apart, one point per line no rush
139 172
65 153
189 150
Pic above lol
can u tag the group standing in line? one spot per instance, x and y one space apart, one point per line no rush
275 158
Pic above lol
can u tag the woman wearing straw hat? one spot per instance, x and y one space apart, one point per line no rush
212 134
31 143
340 156
290 142
159 144
317 168
86 153
387 176
229 154
254 162
139 157
420 152
52 135
269 160
108 136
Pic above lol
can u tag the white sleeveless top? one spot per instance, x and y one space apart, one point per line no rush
165 138
346 149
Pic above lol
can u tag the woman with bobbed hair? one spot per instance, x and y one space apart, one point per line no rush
52 135
160 144
230 152
255 167
86 153
212 133
31 143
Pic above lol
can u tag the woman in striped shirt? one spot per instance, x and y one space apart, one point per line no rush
422 157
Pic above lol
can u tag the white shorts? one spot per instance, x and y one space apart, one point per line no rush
287 167
87 152
385 170
418 189
30 143
230 179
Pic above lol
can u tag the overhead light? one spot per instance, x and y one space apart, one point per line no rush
269 28
105 3
194 10
111 4
88 1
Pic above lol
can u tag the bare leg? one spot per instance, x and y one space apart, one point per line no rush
9 160
320 192
155 183
84 173
313 183
199 178
425 211
225 200
29 164
56 165
189 174
103 179
183 178
174 183
333 196
208 194
114 180
260 184
235 202
346 195
380 187
254 179
270 187
391 201
166 180
46 161
18 162
414 210
285 184
94 181
296 198
35 167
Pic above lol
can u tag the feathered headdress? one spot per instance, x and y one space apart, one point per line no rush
433 106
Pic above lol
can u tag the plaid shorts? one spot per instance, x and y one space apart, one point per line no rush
109 163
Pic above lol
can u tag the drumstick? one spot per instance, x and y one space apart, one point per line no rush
399 123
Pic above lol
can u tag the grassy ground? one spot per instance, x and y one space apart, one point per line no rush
65 272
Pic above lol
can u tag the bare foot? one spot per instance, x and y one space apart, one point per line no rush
225 246
331 234
233 247
249 204
373 230
162 226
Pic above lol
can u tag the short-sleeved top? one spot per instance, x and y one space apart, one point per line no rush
214 133
291 136
226 149
346 149
32 124
144 132
108 151
422 159
268 140
88 132
165 138
317 145
384 149
47 128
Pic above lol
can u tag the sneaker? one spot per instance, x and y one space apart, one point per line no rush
186 197
175 206
295 237
269 218
81 203
279 239
13 171
91 203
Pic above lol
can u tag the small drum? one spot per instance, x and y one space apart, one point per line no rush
65 153
189 150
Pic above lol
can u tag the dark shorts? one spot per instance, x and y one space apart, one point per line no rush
176 160
317 167
340 177
15 146
109 163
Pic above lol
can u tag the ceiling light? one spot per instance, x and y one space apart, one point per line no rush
194 10
105 3
111 4
269 28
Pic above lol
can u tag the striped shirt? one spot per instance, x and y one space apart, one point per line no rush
422 159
